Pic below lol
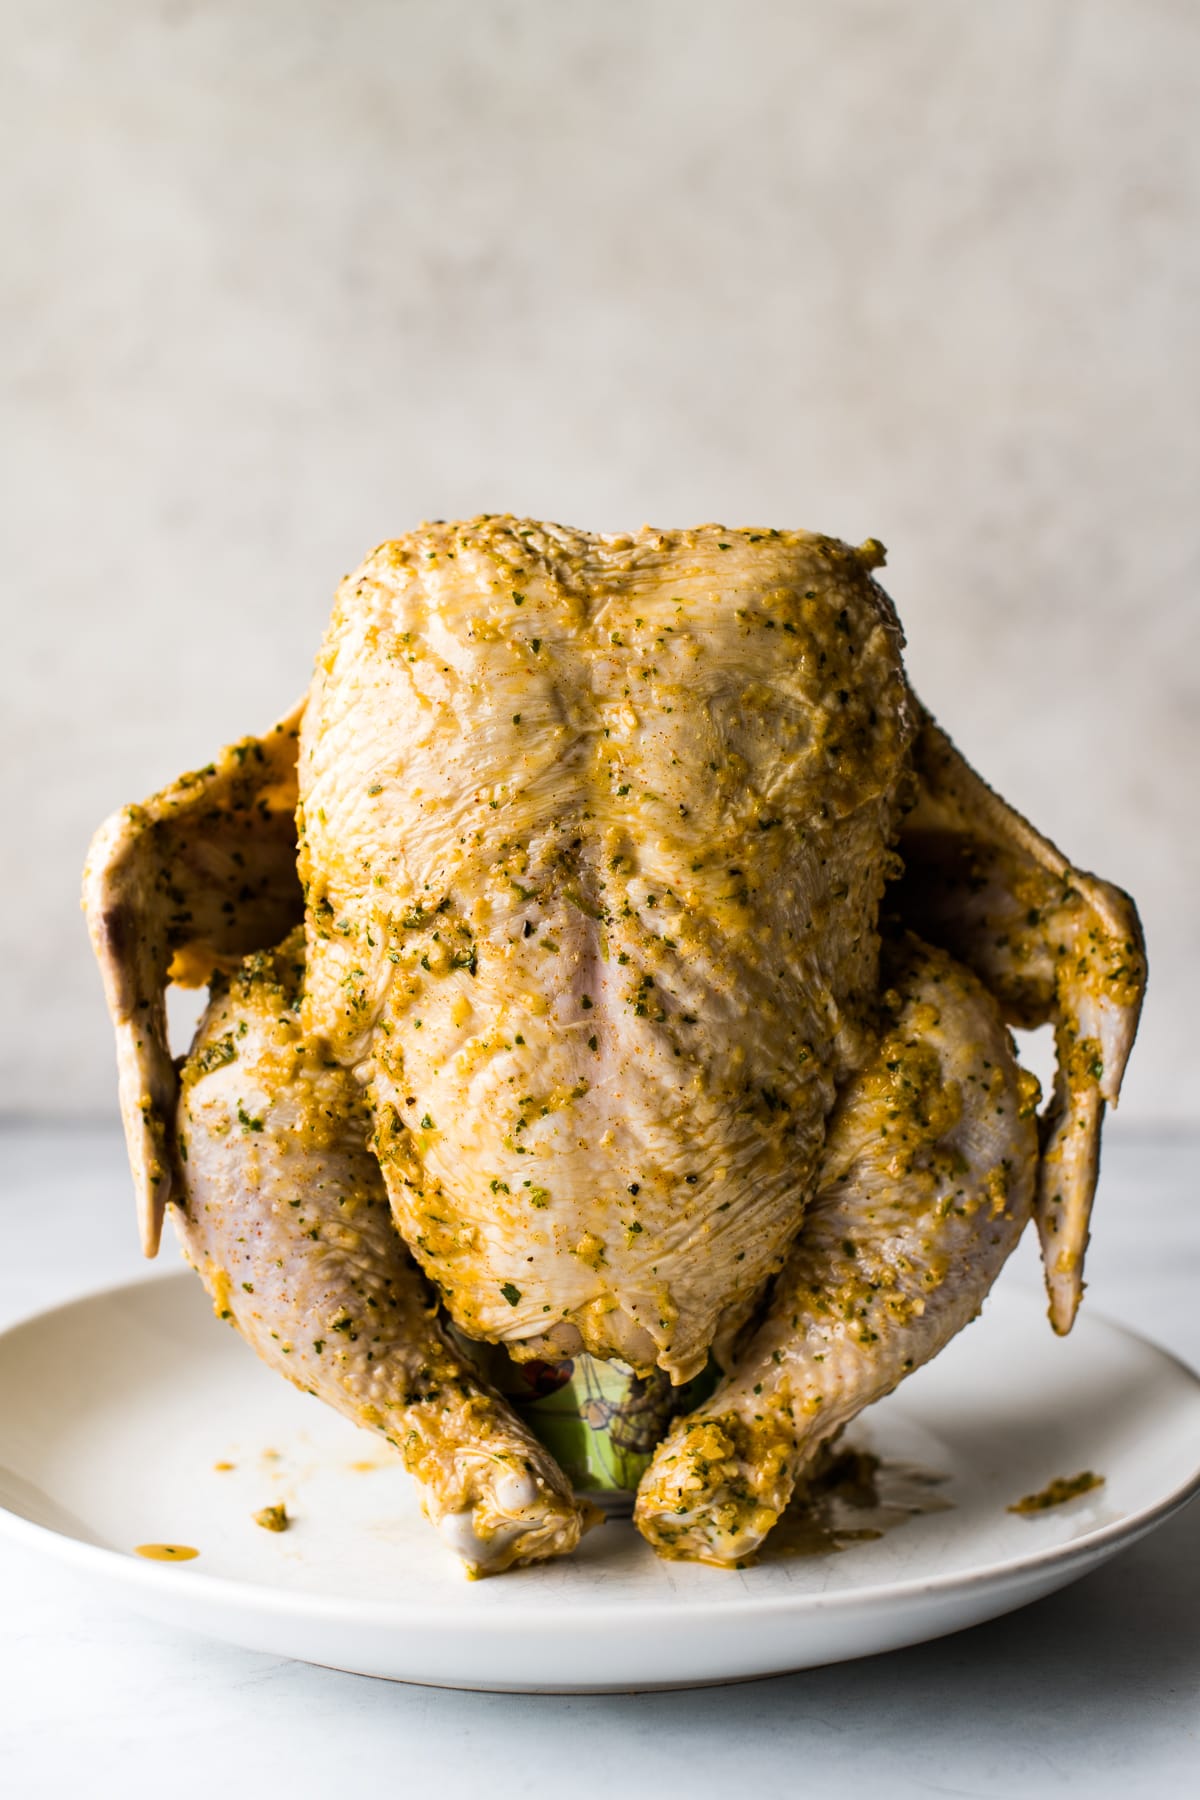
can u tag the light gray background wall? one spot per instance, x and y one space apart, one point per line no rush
282 277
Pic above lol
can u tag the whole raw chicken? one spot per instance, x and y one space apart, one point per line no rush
628 965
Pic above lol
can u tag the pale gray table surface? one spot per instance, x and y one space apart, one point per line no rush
1096 1688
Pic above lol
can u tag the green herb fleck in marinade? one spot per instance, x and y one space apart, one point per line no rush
273 1518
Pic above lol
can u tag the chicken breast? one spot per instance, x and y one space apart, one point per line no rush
593 835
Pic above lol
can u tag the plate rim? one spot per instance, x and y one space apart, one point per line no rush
119 1565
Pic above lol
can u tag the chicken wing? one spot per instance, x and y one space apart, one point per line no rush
1051 943
189 882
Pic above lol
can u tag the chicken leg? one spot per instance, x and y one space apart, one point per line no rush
288 1224
925 1187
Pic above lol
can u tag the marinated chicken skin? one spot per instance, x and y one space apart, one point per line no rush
599 841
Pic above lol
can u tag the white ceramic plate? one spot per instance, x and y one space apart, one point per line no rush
115 1410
